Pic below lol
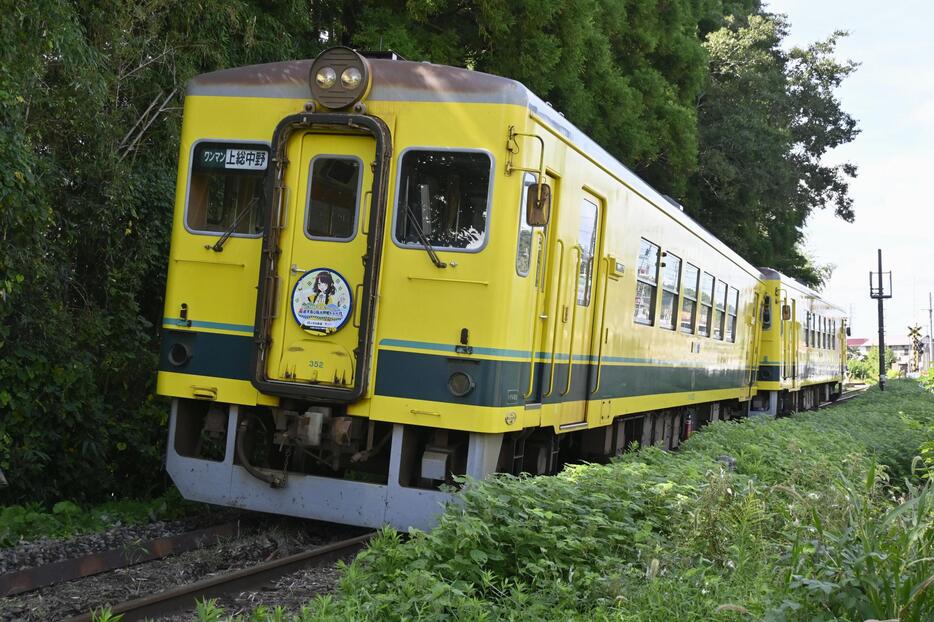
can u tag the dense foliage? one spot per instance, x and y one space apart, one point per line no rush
866 367
90 94
66 519
823 518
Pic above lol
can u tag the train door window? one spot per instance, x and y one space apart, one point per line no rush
689 280
646 282
671 275
767 313
444 199
719 311
807 330
225 188
732 304
333 196
833 334
706 306
526 232
587 239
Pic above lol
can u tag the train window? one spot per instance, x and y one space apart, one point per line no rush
671 274
706 300
767 313
689 291
526 232
646 282
807 330
719 311
333 196
225 188
443 199
732 304
587 239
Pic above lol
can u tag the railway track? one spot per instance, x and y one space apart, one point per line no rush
847 395
184 597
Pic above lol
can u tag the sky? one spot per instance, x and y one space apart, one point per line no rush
891 95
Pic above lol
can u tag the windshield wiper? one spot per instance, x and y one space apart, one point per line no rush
219 245
421 238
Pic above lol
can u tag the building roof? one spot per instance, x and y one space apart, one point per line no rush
891 341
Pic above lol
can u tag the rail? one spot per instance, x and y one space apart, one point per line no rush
171 601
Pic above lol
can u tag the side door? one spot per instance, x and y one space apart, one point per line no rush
569 340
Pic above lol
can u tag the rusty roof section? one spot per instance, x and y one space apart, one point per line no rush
393 80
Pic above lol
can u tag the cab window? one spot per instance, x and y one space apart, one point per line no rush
443 199
225 188
333 195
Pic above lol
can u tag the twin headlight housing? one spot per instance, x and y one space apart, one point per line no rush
339 78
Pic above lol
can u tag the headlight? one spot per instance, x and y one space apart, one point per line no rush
179 354
326 77
351 78
339 78
460 384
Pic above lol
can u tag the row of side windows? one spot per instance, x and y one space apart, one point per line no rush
820 332
705 302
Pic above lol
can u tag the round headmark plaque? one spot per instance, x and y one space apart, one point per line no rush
321 300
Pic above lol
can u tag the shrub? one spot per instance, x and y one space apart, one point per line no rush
659 536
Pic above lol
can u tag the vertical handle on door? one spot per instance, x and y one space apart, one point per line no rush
559 284
539 238
366 206
574 305
356 296
600 334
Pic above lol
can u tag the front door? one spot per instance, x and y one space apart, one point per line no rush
314 335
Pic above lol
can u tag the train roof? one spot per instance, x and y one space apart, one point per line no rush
399 80
771 274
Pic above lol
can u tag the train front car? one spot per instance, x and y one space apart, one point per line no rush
387 274
321 356
803 348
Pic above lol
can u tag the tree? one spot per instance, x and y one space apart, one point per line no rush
89 104
627 72
766 119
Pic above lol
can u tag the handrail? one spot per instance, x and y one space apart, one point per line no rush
539 237
574 305
365 207
554 321
606 283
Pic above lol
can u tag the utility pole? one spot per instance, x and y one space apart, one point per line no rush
879 293
930 331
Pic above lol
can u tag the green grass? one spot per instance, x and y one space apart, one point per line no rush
65 519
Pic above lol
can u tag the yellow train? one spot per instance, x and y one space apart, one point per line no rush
384 274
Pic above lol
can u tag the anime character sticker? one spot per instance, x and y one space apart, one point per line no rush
321 301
